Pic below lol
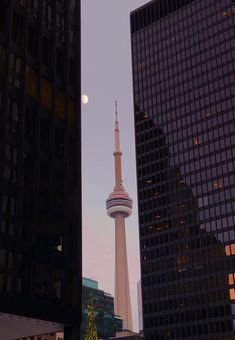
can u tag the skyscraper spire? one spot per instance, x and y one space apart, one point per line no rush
117 154
119 206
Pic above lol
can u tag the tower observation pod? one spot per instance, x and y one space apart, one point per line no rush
119 207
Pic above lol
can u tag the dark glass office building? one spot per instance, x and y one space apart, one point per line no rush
40 177
183 54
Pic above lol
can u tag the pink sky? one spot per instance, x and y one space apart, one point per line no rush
106 76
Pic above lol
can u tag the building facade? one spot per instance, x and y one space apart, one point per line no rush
40 176
183 55
107 323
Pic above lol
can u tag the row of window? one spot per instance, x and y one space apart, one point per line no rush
47 13
202 329
185 39
32 77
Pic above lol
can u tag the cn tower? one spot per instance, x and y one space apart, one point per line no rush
119 206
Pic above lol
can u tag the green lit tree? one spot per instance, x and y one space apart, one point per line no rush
90 332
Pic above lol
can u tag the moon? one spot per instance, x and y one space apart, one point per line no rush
84 99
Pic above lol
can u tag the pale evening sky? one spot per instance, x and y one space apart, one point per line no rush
106 76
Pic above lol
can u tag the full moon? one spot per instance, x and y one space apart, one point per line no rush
85 99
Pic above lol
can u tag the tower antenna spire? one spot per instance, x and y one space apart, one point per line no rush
116 111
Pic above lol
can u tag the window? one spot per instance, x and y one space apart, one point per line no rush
72 111
45 135
32 41
2 59
60 63
31 82
59 188
59 143
12 116
8 205
41 280
22 3
10 167
57 284
60 26
72 73
46 52
33 7
29 125
47 15
46 93
72 4
28 171
59 103
72 36
3 17
17 29
8 211
11 153
15 70
230 249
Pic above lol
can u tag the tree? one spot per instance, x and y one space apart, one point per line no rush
90 331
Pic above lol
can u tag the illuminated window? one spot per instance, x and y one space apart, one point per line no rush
146 115
31 82
217 185
197 141
59 246
148 181
232 293
225 12
231 279
230 249
15 70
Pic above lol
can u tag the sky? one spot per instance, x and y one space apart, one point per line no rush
106 77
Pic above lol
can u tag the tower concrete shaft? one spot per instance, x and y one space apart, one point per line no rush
119 206
122 301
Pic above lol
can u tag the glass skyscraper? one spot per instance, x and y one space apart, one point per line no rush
183 56
40 189
107 323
